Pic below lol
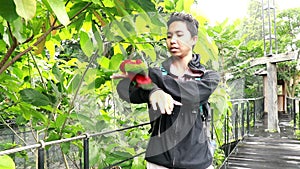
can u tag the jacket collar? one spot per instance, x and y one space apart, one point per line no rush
194 64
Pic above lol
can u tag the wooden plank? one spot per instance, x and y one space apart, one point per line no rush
275 58
271 97
267 150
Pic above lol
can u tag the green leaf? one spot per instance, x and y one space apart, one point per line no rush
206 48
116 156
28 112
87 24
1 29
142 22
60 120
80 116
8 10
180 5
98 82
51 48
6 162
169 5
74 83
18 72
146 5
104 62
19 30
148 50
65 147
26 8
39 115
138 163
57 74
58 7
34 97
53 136
115 61
85 121
187 5
86 44
99 42
2 46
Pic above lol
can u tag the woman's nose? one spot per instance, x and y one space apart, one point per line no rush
173 39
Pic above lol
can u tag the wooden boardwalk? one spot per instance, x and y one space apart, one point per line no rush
265 150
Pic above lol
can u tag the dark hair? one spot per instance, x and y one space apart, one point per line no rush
191 23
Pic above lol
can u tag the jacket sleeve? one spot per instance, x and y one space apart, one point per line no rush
191 91
132 94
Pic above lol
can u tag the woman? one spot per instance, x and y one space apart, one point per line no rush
177 103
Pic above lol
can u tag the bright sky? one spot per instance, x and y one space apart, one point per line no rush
219 10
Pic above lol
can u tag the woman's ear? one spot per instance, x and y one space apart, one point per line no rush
195 39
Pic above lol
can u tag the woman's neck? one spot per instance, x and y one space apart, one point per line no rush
180 64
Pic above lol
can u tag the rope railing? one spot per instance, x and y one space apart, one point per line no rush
292 103
85 137
241 117
242 113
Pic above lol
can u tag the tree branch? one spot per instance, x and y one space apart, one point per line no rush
77 91
11 49
4 66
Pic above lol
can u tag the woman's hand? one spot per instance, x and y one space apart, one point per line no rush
164 101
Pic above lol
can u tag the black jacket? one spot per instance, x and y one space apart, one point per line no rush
178 140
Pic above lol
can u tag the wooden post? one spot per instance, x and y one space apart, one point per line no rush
272 97
271 85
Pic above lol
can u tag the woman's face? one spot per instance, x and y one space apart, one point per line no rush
179 39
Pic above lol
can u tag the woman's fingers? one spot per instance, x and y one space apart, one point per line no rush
170 105
164 101
118 76
162 108
165 104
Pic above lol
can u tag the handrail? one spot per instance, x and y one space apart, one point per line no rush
247 99
15 150
296 98
113 131
240 121
41 145
243 115
38 145
292 110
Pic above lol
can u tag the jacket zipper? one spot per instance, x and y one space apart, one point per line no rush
174 155
174 162
175 143
159 125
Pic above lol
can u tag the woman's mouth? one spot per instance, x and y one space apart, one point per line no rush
173 49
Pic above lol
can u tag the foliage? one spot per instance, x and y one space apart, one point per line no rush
235 57
252 24
57 58
56 62
288 39
6 162
287 32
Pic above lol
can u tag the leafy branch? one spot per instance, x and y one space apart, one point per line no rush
77 91
4 66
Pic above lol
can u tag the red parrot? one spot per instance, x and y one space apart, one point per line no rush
137 71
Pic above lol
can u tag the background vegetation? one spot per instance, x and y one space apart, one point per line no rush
56 58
